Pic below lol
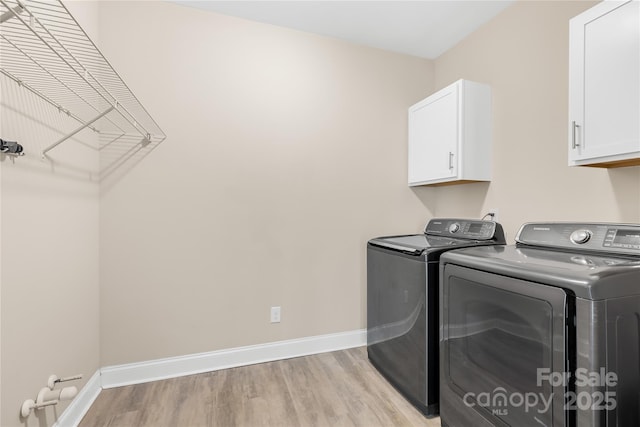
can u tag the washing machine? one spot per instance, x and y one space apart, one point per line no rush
545 332
402 302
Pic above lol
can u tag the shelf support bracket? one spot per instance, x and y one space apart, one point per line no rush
11 13
87 124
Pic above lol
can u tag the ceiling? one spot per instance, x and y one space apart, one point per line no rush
420 28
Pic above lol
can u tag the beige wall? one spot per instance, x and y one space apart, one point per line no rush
49 276
286 151
523 55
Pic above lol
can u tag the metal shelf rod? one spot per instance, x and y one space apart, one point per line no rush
11 13
64 138
46 51
83 75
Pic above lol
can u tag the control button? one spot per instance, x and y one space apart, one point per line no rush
454 227
580 236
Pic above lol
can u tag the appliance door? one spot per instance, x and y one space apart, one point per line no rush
397 330
503 347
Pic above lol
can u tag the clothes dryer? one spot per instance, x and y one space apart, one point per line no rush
545 332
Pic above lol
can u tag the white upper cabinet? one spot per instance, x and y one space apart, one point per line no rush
450 136
604 86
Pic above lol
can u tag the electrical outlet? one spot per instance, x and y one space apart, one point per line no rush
495 212
275 314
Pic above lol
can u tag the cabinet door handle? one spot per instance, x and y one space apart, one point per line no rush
574 126
450 160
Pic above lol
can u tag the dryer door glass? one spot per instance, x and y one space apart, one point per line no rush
503 339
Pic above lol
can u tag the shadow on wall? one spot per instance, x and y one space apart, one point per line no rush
119 154
428 197
625 181
35 131
445 200
43 419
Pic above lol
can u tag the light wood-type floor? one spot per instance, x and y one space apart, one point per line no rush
325 390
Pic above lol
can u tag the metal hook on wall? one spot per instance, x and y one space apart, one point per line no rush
11 147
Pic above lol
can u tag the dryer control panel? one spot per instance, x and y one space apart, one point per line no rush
624 238
601 237
464 229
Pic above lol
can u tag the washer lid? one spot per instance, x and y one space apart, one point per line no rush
589 276
445 233
415 243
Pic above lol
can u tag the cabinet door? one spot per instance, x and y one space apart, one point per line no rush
433 137
604 82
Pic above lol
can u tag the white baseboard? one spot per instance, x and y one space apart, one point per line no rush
153 370
81 403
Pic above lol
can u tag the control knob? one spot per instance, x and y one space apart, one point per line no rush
580 236
454 227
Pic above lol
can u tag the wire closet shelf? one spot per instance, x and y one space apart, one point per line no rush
44 50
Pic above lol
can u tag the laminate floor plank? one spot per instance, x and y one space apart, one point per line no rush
340 389
125 419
